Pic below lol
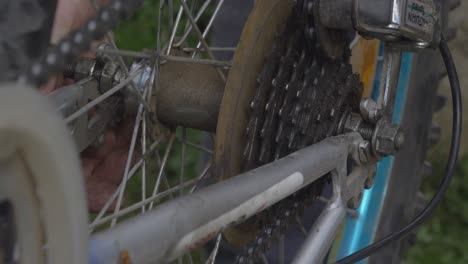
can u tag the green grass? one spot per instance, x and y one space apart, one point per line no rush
444 239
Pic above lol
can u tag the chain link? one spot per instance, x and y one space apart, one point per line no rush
58 56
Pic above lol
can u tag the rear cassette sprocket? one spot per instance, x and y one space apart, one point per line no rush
296 98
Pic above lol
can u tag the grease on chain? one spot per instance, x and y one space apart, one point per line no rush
300 99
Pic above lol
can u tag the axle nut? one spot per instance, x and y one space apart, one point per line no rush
388 138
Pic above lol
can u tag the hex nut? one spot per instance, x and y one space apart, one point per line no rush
369 110
388 138
104 57
367 105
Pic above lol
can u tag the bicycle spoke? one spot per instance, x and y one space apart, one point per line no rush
128 162
137 206
218 49
162 167
102 220
197 146
197 61
170 14
147 55
174 31
301 226
202 175
131 173
208 27
143 166
182 158
127 53
158 33
164 176
214 253
189 26
200 35
102 97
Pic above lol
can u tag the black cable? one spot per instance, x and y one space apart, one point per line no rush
452 160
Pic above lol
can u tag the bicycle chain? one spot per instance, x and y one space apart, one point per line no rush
58 56
301 96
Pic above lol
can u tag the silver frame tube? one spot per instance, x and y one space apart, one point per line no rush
174 228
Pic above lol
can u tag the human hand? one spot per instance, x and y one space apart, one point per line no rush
103 166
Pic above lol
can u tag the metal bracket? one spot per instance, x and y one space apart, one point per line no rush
408 24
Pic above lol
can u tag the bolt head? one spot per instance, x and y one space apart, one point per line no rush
367 105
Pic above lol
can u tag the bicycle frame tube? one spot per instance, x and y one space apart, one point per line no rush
190 221
359 232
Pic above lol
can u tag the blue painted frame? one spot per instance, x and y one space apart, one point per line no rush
359 232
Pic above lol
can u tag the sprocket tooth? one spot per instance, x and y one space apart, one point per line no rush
264 153
279 133
305 122
250 125
291 138
278 151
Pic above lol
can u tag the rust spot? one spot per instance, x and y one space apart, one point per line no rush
124 257
364 61
203 240
261 208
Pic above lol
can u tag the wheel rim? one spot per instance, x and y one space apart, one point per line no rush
41 179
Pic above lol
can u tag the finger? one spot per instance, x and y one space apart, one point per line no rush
109 144
125 131
99 193
52 84
88 165
111 169
70 15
